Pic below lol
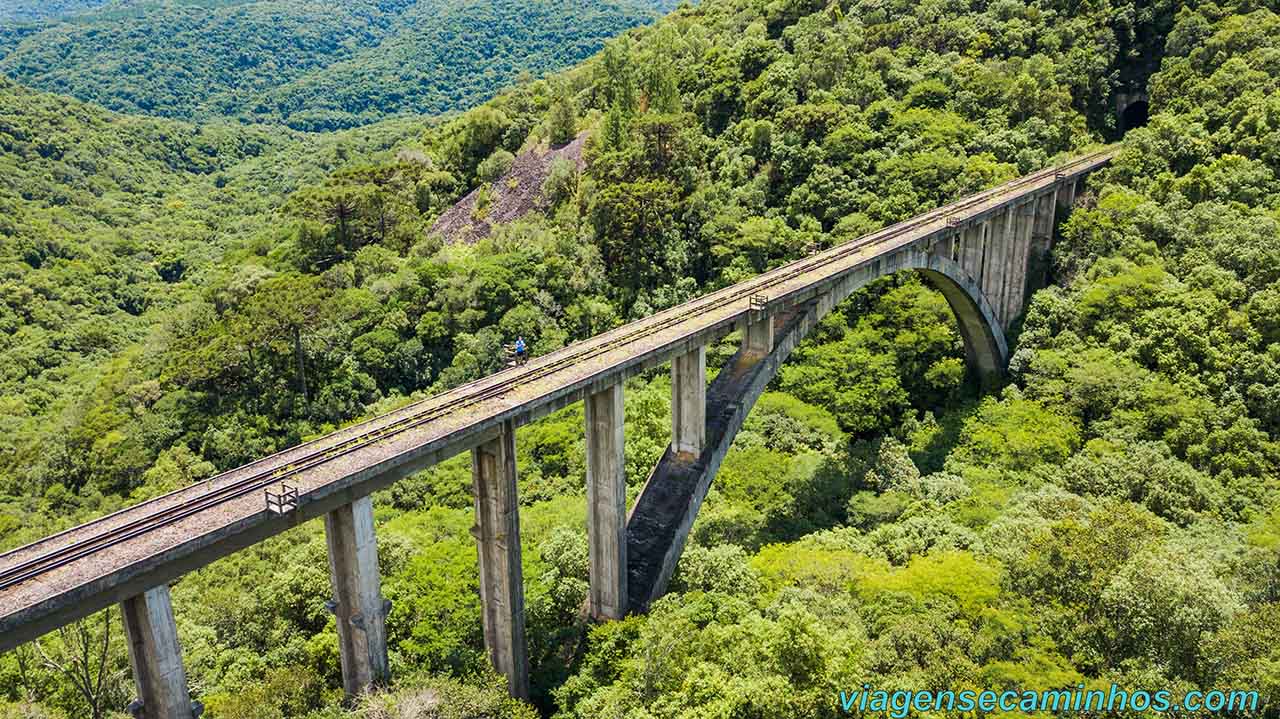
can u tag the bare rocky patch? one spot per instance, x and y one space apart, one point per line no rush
514 195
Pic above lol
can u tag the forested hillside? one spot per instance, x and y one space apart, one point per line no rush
1109 515
28 10
105 222
306 64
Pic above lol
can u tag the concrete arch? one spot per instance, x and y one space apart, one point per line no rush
659 522
986 350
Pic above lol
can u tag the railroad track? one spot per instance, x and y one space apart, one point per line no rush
419 413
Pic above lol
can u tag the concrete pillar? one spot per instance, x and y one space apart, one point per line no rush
357 596
606 504
971 249
1000 300
995 259
689 402
1010 277
1066 196
1046 215
1016 286
497 533
757 336
156 657
1040 257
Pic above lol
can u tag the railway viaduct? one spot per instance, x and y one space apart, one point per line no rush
981 252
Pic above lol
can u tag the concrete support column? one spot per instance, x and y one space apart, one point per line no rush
497 533
357 596
1020 250
1041 242
996 258
757 336
1046 214
1019 229
156 657
606 504
689 402
1066 195
971 242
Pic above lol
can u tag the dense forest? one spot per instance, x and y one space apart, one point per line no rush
1109 514
30 10
306 64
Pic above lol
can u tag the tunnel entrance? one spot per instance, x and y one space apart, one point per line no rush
1135 114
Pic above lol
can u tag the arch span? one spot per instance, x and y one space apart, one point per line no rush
659 522
985 347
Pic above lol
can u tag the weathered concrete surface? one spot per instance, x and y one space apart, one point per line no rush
986 351
689 401
469 416
1041 242
664 512
757 336
357 596
156 658
1014 274
1066 197
606 504
994 260
1018 294
497 534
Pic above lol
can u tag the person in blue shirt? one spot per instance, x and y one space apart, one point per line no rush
521 350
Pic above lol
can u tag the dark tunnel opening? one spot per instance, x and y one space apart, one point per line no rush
1134 115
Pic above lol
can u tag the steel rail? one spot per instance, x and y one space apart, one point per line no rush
549 365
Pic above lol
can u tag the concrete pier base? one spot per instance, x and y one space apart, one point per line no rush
993 257
357 596
156 657
606 504
689 402
497 533
1046 216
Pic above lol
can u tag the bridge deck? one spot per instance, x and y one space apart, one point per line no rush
416 436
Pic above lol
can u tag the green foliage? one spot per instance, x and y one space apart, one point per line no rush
29 10
444 699
1017 435
306 64
561 184
971 584
495 166
1111 516
176 300
563 118
720 653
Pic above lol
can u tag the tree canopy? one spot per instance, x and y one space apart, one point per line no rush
179 299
